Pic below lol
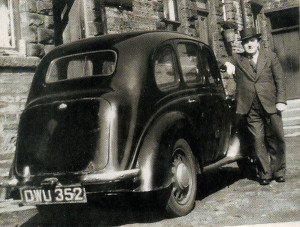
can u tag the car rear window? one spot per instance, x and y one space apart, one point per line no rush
98 63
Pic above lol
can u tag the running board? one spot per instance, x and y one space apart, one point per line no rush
221 162
233 154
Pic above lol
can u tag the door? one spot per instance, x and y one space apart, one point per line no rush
219 110
200 75
286 43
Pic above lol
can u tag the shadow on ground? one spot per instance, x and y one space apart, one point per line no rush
125 209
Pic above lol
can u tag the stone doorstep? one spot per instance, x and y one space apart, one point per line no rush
291 121
291 131
292 104
293 112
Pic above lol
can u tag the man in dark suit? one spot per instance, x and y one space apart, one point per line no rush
260 88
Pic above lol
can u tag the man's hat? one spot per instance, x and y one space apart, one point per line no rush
248 33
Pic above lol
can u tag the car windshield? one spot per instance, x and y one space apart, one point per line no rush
99 63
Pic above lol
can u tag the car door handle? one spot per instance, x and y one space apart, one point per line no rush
192 100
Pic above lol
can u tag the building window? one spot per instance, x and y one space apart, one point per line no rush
170 10
7 36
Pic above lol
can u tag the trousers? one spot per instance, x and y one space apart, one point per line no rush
268 140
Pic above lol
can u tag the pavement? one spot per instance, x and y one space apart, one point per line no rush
236 196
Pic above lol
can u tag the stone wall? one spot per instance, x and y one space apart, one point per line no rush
15 78
37 26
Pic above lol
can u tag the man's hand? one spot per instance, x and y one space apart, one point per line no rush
230 68
280 107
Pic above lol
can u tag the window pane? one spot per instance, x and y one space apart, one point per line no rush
82 65
7 26
164 70
210 67
189 62
170 10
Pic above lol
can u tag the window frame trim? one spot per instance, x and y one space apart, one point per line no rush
176 12
15 27
51 64
177 85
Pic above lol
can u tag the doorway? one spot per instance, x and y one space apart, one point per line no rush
284 24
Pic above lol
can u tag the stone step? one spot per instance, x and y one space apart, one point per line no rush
292 104
294 112
291 121
6 156
5 164
4 172
291 130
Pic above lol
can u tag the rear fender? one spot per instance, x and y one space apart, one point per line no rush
154 158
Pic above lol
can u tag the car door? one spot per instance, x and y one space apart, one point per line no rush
219 109
199 101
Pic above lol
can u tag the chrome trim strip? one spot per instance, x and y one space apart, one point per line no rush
111 176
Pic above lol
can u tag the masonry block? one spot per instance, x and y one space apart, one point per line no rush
49 22
27 6
48 48
44 7
45 36
92 4
94 16
31 19
35 50
29 33
95 28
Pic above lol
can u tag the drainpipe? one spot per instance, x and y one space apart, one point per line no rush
224 10
242 2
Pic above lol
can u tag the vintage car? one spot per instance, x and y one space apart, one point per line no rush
133 112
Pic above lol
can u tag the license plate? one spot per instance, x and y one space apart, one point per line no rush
58 195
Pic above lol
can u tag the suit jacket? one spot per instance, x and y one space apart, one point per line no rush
268 83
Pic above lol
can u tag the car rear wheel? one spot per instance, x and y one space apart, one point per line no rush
184 180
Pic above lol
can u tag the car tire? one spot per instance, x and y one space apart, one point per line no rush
182 195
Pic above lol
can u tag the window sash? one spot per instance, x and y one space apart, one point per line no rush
170 10
7 31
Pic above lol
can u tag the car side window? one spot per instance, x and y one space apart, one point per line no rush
190 63
165 73
210 66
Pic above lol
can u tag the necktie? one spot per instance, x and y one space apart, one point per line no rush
252 63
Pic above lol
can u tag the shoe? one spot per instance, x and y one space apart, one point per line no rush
264 181
279 179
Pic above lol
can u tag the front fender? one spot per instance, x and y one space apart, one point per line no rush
154 154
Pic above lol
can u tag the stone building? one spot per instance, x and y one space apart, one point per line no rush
31 28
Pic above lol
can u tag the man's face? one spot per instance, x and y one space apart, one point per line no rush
251 45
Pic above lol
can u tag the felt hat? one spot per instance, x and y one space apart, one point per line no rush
248 33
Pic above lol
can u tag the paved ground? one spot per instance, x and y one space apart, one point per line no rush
225 200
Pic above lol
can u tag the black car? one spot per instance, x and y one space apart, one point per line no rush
133 112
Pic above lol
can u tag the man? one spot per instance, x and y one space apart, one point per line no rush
260 88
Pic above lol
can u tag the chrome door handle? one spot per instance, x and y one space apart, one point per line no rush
192 100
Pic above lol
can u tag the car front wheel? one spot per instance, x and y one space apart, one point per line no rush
184 179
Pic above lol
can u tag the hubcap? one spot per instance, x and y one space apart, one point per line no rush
182 176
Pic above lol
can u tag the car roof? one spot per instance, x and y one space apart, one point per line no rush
107 41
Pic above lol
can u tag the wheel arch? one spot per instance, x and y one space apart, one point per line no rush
154 154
